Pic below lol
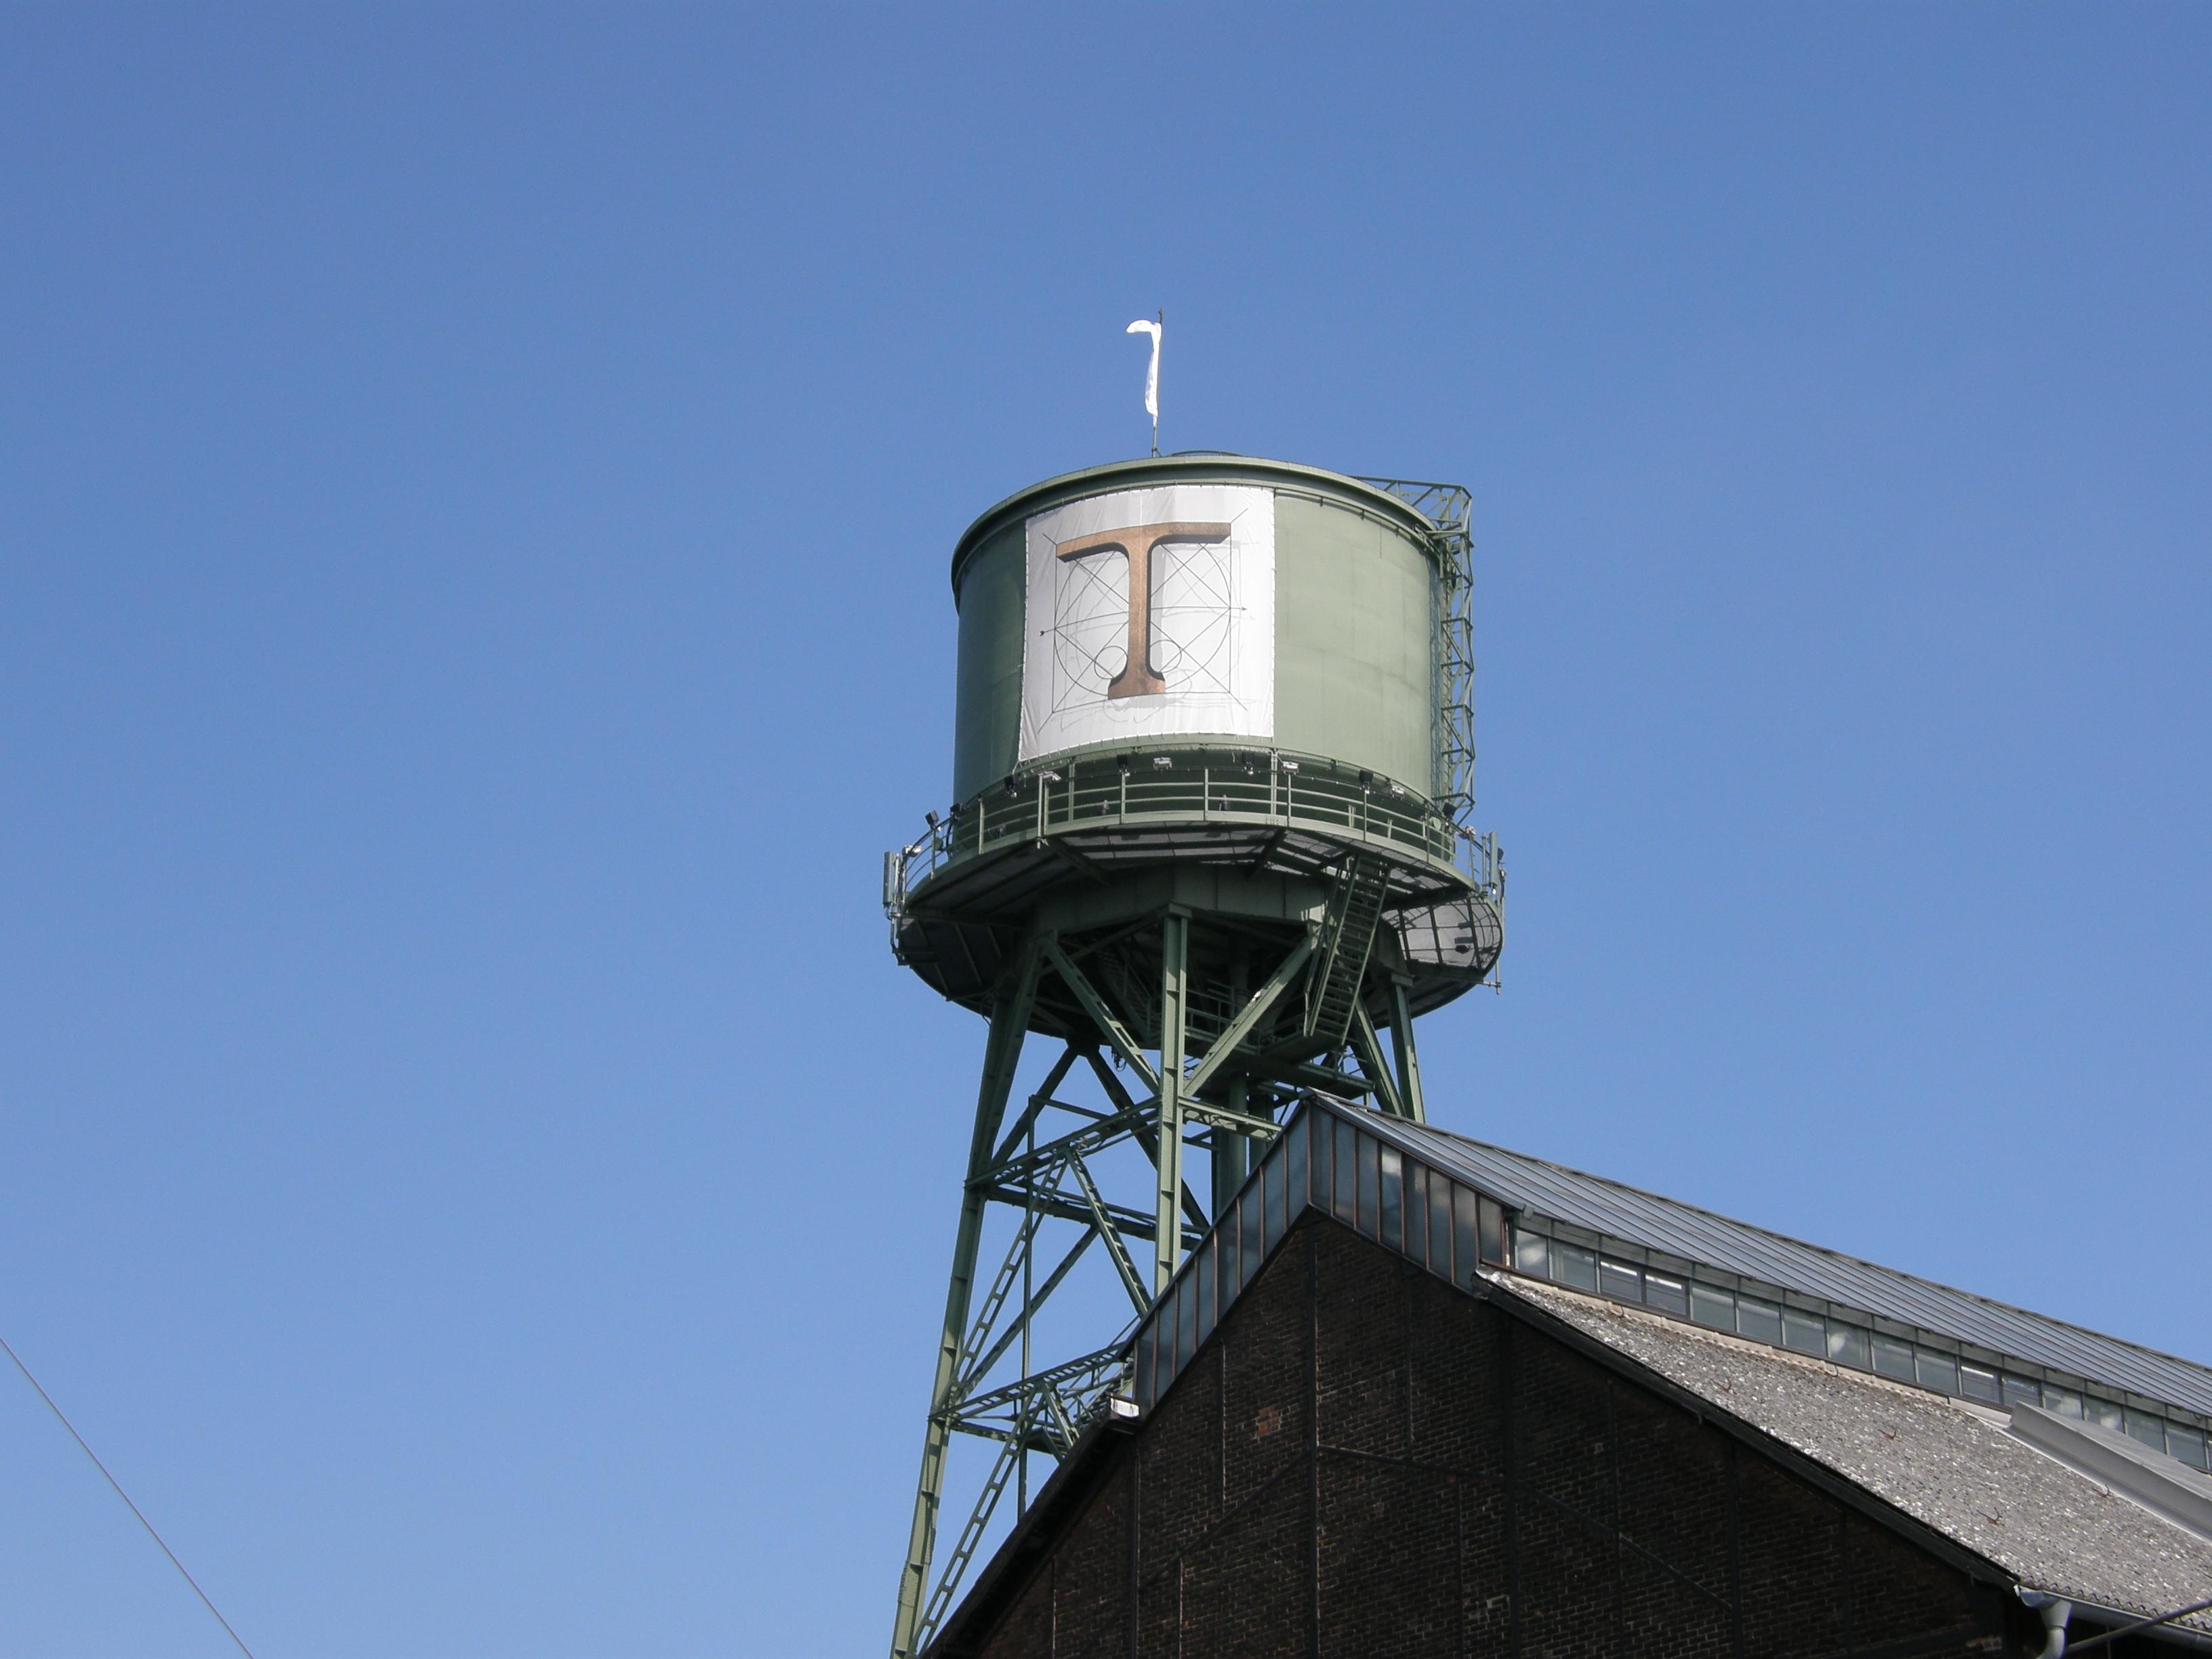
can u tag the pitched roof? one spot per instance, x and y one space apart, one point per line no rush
1955 1467
2102 1524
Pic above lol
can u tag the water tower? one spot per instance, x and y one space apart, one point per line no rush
1211 772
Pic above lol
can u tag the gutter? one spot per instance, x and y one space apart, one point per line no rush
2119 1621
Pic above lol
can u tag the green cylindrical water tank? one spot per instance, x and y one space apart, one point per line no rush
1283 608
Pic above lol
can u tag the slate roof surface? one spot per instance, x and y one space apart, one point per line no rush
1951 1465
1635 1216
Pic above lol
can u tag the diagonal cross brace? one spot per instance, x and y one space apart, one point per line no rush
1089 1139
1094 1006
1249 1016
978 1328
981 1368
1369 1046
1146 1137
1107 1230
1040 1097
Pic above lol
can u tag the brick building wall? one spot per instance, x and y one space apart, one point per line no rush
1366 1462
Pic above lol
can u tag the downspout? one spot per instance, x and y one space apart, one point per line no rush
2056 1612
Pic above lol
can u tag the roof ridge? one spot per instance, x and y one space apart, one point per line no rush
1801 1244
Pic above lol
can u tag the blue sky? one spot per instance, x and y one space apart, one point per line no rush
476 487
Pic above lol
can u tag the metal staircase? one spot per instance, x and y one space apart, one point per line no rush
1347 937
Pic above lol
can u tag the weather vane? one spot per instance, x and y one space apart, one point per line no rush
1153 375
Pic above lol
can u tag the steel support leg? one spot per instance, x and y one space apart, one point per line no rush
1232 1152
1010 1021
1369 1047
1175 988
1409 1062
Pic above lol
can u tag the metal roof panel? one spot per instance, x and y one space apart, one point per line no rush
1631 1216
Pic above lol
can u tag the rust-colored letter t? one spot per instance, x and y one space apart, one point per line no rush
1137 678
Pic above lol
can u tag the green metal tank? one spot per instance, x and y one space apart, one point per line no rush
1191 662
1349 568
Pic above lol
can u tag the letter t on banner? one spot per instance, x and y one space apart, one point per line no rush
1136 677
1152 376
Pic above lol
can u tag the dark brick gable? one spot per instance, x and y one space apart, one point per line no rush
1367 1461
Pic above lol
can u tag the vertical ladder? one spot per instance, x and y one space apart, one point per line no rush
1347 938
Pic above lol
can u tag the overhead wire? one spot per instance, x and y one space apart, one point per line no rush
62 1418
2140 1624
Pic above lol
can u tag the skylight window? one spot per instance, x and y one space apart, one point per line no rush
1710 1305
1806 1332
1620 1281
1976 1383
1572 1265
2147 1429
1938 1371
1204 1280
1493 1231
1759 1320
1895 1359
1394 1199
1466 1228
1416 1219
2185 1443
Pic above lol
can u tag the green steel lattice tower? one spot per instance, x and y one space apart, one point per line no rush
1212 769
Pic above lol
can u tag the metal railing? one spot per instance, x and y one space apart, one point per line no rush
1144 788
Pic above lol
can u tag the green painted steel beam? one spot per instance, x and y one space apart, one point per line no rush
1409 1060
1089 1370
1127 1222
971 1534
994 1299
1088 1139
1175 997
1037 1300
1002 1053
1040 1097
1222 1117
1094 1006
1254 1010
1369 1047
1301 1075
1101 1223
1231 1149
1148 1138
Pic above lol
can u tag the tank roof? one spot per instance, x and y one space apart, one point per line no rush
1189 466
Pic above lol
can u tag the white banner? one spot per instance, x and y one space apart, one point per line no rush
1193 654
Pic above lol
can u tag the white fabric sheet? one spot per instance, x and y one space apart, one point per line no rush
1152 374
1212 618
